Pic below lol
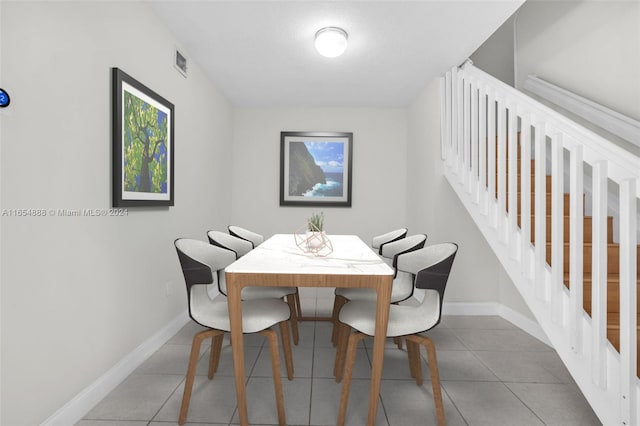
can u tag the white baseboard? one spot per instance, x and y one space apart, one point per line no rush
82 403
527 325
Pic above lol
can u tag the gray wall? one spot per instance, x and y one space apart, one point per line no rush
591 48
80 293
496 55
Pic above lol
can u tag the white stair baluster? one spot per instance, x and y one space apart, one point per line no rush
576 244
525 191
599 275
557 226
512 180
482 152
502 170
473 182
491 158
541 211
628 307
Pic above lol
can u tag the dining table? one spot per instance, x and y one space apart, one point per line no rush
283 261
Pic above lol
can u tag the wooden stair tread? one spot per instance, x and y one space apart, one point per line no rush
587 278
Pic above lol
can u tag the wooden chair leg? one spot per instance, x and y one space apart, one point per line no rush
341 350
435 376
338 302
294 318
275 366
298 305
191 370
348 371
398 342
214 354
410 358
286 348
414 361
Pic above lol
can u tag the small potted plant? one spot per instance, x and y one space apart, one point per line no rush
315 233
316 222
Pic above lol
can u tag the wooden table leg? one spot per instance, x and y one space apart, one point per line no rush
235 319
382 318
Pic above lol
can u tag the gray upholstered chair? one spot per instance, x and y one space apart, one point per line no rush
238 245
241 247
257 239
201 266
245 234
402 284
379 241
429 268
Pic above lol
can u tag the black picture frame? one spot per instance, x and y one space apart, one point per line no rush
143 144
316 168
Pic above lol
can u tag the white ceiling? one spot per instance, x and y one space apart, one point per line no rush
260 53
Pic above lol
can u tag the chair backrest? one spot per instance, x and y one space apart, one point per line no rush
430 266
201 263
238 245
405 245
245 234
380 240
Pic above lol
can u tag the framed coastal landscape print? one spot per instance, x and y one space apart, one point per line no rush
143 145
315 168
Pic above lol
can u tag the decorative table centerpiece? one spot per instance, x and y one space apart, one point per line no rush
314 240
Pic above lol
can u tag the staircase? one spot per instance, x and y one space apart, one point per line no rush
613 251
570 245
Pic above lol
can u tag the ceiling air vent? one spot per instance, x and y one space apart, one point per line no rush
181 63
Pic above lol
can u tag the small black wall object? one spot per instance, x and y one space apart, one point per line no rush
5 100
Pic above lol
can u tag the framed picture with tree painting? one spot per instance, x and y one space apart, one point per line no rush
315 168
143 128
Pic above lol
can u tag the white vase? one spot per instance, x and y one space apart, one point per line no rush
315 239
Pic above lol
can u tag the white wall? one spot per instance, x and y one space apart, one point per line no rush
433 206
591 48
379 178
79 293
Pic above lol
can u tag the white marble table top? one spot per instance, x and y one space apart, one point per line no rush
280 255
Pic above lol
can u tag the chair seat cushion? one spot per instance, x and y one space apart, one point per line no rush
403 319
257 315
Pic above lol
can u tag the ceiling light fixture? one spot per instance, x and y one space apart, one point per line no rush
331 41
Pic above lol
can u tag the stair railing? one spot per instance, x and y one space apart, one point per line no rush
488 127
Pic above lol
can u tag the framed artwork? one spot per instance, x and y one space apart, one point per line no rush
315 168
143 146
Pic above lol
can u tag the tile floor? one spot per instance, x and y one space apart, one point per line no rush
492 373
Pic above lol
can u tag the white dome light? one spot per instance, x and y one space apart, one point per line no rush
331 41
